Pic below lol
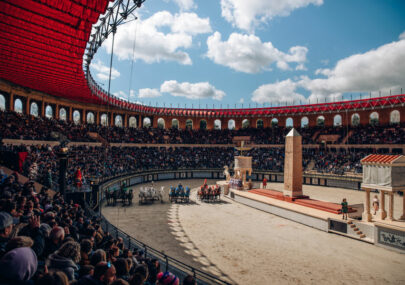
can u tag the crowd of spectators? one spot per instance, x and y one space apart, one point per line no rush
19 126
46 240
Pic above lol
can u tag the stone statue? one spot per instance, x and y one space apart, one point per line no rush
226 173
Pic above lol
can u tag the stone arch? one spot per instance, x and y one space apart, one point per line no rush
2 102
118 121
217 124
395 117
203 124
146 123
245 124
355 119
104 120
337 120
49 111
189 124
18 105
274 122
304 122
259 124
374 118
62 114
231 124
161 123
90 118
34 110
175 124
289 123
76 117
320 121
132 122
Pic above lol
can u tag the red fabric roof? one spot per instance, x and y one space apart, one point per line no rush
42 43
380 158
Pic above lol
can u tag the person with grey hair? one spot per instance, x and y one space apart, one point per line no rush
55 240
66 259
6 227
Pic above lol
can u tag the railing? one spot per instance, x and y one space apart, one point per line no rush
180 269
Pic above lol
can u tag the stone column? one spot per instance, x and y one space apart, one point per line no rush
293 165
366 214
391 207
403 207
382 214
57 108
11 102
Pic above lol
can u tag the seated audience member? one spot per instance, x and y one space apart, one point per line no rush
18 266
66 259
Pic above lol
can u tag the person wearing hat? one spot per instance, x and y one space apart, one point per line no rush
167 278
6 226
18 266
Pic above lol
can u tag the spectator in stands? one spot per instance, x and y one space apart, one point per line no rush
104 274
18 266
6 226
66 259
53 277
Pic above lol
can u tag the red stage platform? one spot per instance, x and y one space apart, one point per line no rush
306 201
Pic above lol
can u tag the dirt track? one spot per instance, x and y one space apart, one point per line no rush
253 247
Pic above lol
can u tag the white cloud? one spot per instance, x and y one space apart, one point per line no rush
247 53
185 4
241 100
161 37
123 95
378 69
149 93
200 90
247 15
402 36
279 92
103 71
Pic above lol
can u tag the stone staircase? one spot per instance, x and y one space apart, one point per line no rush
353 226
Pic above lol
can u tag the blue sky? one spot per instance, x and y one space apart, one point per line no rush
264 52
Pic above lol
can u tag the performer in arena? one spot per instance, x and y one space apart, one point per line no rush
78 178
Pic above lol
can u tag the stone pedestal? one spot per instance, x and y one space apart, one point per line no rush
293 165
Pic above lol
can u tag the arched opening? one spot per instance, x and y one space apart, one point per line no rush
337 121
146 122
34 109
175 124
374 118
161 123
320 121
90 118
245 124
355 120
231 124
49 112
289 123
274 122
395 117
259 124
203 125
118 121
104 120
189 124
217 124
18 106
62 114
304 122
2 102
132 122
76 117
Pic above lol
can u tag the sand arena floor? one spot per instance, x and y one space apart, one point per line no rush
248 246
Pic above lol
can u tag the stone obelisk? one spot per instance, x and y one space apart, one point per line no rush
293 165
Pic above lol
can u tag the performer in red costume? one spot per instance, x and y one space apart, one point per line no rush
78 176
